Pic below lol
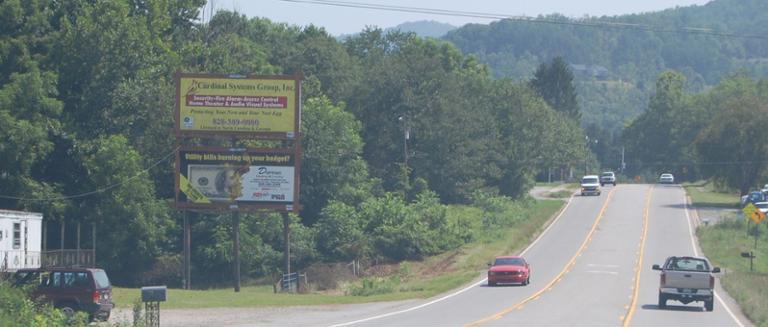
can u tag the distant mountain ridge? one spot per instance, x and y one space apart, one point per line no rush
425 28
705 43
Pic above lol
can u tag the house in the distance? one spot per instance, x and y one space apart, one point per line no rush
597 72
20 239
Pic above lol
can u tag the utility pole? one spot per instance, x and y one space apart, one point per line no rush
406 136
623 165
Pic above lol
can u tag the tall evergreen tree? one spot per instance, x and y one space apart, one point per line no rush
650 138
554 83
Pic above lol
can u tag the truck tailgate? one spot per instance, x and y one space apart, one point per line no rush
686 279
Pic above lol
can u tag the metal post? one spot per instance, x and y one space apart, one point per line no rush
79 258
61 244
187 250
152 317
236 246
93 239
757 232
45 237
287 239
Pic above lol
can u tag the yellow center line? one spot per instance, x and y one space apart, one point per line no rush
638 269
557 278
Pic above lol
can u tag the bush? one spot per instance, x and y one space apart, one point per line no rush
372 286
16 310
399 231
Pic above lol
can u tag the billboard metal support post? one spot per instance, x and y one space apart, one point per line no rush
187 250
287 239
236 246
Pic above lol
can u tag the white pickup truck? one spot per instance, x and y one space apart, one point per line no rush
687 279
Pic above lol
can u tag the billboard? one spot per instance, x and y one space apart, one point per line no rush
252 106
217 178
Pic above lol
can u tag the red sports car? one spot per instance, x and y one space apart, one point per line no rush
509 269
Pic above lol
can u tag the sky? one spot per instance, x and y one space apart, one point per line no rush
339 20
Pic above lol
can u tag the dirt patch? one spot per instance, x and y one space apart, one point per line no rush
326 277
381 270
441 266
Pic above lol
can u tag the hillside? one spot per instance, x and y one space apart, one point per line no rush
704 43
425 28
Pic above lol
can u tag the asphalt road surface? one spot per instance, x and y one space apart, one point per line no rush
591 267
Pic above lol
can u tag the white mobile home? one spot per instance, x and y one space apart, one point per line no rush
20 239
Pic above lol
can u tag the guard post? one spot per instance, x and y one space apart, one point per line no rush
152 296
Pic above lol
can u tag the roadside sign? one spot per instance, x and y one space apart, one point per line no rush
749 210
258 106
214 178
757 216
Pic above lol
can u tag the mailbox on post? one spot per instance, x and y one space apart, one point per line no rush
153 294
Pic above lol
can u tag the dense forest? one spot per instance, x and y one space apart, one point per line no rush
617 59
395 128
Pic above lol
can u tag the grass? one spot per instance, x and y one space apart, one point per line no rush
704 194
724 242
249 296
414 279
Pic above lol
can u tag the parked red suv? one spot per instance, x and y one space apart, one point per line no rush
70 289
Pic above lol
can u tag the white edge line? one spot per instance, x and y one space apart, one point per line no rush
568 203
696 253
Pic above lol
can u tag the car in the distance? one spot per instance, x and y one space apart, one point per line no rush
666 178
762 206
753 197
509 269
69 289
590 184
607 177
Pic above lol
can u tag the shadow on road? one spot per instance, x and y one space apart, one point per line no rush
706 205
673 308
503 285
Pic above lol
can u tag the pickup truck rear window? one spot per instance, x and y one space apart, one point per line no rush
687 264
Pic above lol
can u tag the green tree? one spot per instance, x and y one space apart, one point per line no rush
102 46
554 83
339 233
650 138
131 222
731 146
414 108
332 167
533 137
29 116
319 55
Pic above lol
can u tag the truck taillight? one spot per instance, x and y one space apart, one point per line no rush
96 296
663 280
712 282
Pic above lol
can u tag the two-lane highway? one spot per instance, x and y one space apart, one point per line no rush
673 233
549 256
591 267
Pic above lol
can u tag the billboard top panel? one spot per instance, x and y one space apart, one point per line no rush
239 106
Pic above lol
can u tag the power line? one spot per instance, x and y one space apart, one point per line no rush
97 191
572 22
